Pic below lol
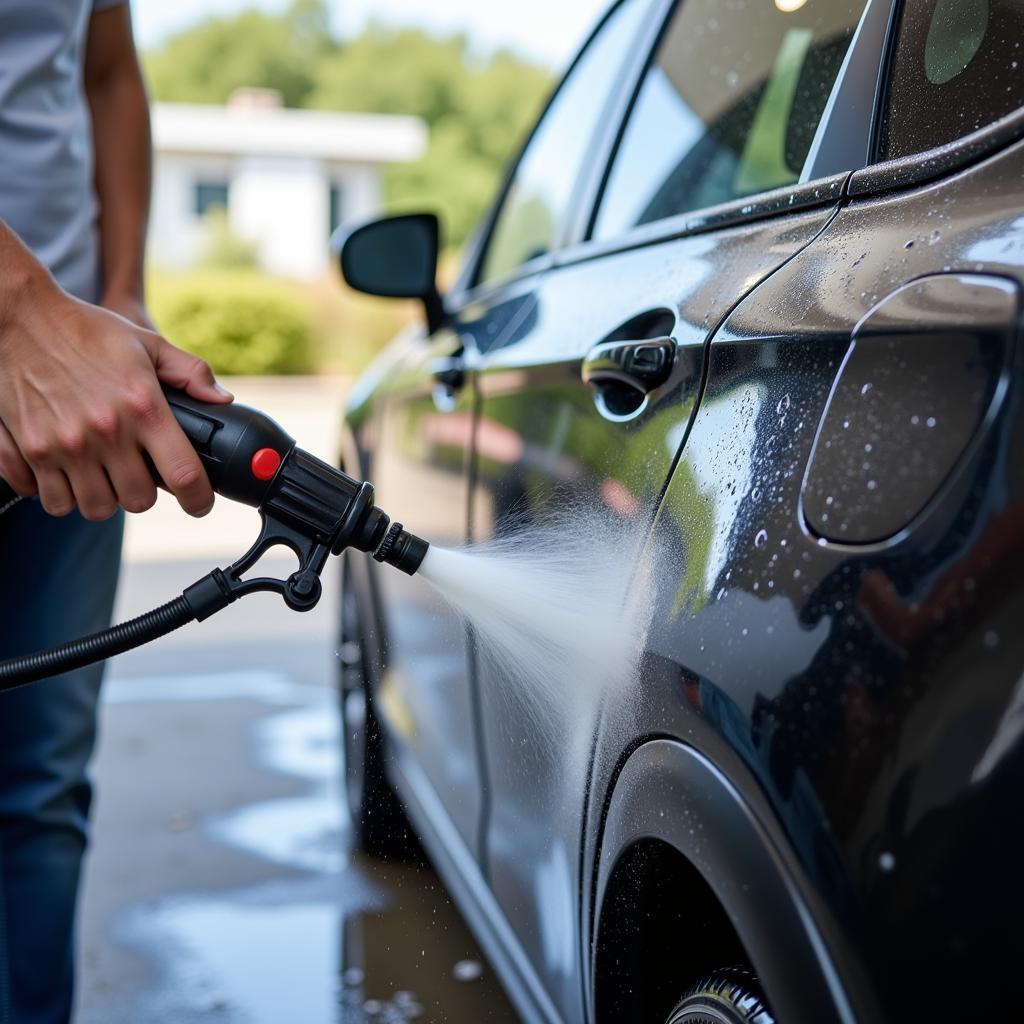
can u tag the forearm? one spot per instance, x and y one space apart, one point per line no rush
80 402
123 151
24 281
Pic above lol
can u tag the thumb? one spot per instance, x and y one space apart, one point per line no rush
183 370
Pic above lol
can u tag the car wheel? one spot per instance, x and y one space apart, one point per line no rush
378 820
730 996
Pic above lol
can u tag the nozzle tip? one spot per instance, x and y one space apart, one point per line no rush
401 549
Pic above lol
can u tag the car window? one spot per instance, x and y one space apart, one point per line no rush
728 107
958 65
538 198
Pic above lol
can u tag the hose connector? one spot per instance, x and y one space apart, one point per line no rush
402 549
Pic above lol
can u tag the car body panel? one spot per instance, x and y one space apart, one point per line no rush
423 434
535 406
880 715
848 700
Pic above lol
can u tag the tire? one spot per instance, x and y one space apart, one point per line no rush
379 824
731 996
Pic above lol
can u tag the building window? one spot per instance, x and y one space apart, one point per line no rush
209 194
335 202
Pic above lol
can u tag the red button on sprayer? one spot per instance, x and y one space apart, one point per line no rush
264 463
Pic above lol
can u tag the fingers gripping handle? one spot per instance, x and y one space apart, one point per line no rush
240 448
250 459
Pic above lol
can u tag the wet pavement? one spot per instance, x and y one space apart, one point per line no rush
222 886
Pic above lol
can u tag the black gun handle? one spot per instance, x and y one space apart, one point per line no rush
241 448
244 452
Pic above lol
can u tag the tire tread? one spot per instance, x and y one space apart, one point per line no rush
730 996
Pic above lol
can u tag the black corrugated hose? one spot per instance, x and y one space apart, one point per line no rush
207 596
89 649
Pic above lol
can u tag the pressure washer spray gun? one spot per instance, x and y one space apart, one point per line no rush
304 504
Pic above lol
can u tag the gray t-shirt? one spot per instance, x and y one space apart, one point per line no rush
46 166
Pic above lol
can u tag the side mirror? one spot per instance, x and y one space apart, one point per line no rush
395 257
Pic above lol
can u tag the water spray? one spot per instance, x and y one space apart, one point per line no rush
305 505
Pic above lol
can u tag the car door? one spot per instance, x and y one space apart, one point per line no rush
866 533
421 462
701 201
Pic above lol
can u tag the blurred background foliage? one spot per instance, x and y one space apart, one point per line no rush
477 109
222 248
243 321
239 320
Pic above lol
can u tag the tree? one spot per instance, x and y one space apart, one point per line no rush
205 63
476 112
476 109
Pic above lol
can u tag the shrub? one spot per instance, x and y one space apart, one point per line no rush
350 328
222 248
241 322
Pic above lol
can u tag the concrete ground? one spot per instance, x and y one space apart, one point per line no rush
221 885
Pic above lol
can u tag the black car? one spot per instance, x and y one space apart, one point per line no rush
753 286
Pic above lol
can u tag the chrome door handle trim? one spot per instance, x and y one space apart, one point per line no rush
642 365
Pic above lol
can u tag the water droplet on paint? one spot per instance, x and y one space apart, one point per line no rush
467 970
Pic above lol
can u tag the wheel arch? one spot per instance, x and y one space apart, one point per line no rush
654 893
706 869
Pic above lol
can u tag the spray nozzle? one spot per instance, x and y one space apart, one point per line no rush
305 503
401 549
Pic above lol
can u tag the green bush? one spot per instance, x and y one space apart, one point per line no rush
241 322
223 249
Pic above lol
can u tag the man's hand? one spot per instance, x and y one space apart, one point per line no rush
80 398
80 402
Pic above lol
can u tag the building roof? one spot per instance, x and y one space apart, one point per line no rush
230 131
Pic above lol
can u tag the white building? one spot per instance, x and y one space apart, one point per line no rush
285 177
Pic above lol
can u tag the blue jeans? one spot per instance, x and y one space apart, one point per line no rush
57 582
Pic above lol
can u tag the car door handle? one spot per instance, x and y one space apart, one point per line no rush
641 365
450 372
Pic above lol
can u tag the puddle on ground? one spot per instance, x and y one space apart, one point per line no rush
339 938
307 831
414 960
264 685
